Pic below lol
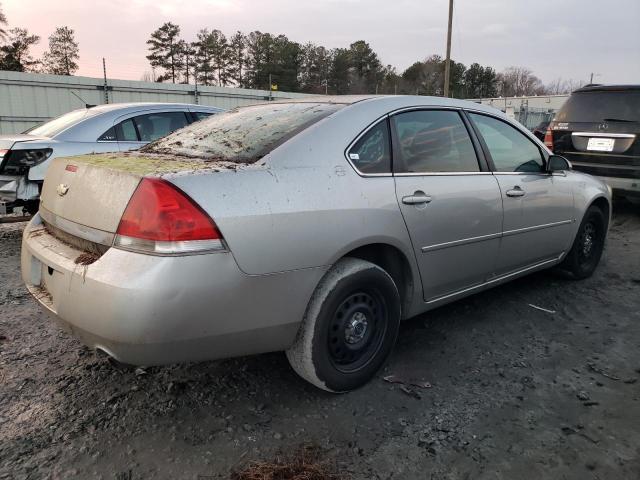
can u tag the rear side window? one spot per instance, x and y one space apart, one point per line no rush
433 141
599 106
156 125
511 150
126 131
372 152
109 135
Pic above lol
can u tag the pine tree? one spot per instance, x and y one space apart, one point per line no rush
237 58
339 80
61 59
15 55
3 21
165 51
203 58
220 56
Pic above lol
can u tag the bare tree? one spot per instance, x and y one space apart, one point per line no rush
518 81
561 86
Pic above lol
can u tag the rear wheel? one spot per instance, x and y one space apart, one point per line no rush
349 328
585 253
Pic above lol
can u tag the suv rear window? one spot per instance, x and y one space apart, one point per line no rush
598 106
243 135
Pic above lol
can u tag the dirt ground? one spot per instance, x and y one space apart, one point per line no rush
516 392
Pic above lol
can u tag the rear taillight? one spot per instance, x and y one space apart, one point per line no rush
160 219
548 139
18 162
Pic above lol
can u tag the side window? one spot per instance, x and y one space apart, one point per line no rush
433 141
155 125
126 131
372 152
510 150
108 136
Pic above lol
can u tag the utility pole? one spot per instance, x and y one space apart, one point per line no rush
447 64
195 83
104 73
270 89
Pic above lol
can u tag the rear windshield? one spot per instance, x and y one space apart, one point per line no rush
243 135
60 123
600 106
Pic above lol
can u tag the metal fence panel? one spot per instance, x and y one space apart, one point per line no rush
27 99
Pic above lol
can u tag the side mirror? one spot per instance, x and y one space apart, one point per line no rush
556 163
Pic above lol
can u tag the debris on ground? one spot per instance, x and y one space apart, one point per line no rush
599 370
542 309
304 464
395 379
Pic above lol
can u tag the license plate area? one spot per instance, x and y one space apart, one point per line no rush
41 277
597 144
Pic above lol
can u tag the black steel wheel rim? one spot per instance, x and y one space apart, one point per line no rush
356 330
589 243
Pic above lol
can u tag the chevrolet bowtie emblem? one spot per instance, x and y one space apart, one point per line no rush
62 189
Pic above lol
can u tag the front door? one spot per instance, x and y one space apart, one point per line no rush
538 206
452 209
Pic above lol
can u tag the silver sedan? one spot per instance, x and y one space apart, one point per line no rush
24 158
312 227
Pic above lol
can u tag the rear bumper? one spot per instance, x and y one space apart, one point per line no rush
626 186
150 310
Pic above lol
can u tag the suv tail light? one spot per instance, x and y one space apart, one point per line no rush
548 139
160 219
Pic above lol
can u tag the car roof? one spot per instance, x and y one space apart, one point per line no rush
110 107
395 101
607 88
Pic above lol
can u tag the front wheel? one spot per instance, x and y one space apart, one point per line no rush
349 328
585 253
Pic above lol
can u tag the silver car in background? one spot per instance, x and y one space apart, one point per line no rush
313 227
24 158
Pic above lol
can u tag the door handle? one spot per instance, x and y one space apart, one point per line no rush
515 192
418 198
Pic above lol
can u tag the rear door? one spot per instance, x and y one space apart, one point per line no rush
599 130
450 203
538 206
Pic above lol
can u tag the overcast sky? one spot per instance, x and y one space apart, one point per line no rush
554 38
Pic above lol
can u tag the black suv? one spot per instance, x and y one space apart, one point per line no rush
598 131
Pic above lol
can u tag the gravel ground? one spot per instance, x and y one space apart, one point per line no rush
516 392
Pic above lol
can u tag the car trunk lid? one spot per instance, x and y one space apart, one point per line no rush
87 195
8 141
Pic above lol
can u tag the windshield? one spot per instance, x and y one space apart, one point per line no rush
598 106
243 135
59 124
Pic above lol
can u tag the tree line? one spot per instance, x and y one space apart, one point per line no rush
16 43
255 59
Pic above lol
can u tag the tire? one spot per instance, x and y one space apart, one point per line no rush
585 253
350 327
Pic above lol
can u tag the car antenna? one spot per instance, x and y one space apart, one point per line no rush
86 105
